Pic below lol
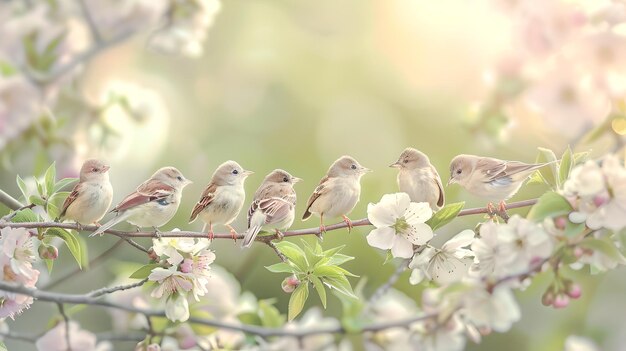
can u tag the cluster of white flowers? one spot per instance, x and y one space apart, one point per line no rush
188 270
55 339
16 258
598 194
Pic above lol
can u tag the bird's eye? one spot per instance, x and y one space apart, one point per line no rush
353 166
406 160
235 171
95 170
459 171
285 179
179 178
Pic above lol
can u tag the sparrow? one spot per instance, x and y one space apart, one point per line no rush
419 178
337 193
154 202
273 206
222 199
490 178
92 195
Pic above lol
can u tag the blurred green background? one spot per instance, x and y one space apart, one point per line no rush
295 85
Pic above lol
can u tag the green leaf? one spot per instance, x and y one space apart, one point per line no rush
282 267
297 300
84 255
70 241
49 178
63 183
338 259
321 291
40 188
25 215
573 229
535 178
269 314
339 283
333 251
22 185
201 329
37 200
294 254
3 347
144 271
550 204
605 247
579 157
548 173
565 167
49 265
445 215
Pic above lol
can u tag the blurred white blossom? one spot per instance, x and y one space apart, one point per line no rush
16 257
399 224
56 338
115 17
579 343
187 27
496 310
20 106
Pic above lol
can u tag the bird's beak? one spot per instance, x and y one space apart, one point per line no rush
365 170
247 173
296 179
105 168
187 181
395 164
451 181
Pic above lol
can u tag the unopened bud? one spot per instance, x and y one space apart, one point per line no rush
574 291
48 252
187 265
561 301
560 223
152 255
153 347
290 284
548 298
600 200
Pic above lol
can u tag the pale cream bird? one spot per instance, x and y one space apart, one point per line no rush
337 193
154 202
490 178
419 179
222 199
92 195
273 206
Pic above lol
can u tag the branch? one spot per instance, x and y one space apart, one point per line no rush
104 291
190 234
95 33
382 290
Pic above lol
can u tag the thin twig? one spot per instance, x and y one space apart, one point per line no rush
92 263
190 234
66 319
382 290
280 254
9 201
104 291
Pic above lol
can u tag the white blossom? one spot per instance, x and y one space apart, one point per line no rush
579 343
496 310
16 257
399 224
55 339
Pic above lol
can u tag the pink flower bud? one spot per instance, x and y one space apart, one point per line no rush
290 284
548 298
152 255
187 265
574 291
48 252
560 223
153 347
600 200
561 301
579 252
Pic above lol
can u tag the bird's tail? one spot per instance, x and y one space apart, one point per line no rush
250 235
306 215
119 217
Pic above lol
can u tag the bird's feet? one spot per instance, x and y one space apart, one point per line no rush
321 233
491 210
348 223
79 227
97 224
157 232
502 211
279 235
233 233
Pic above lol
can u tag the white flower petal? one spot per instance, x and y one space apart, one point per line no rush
462 239
418 212
402 248
419 234
382 238
177 308
417 275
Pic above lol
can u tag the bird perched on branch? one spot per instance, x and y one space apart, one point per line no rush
154 202
273 206
419 178
490 178
92 195
222 199
337 193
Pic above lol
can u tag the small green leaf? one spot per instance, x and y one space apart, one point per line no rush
294 254
144 271
535 178
49 265
550 204
282 267
70 241
297 300
3 347
338 259
579 157
605 247
25 215
333 251
548 173
269 314
339 283
49 178
22 185
565 167
321 291
37 200
40 188
573 229
84 255
63 183
445 215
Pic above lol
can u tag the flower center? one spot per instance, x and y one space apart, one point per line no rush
401 226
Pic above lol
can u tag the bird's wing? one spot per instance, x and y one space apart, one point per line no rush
503 173
437 179
322 188
205 199
151 190
71 198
